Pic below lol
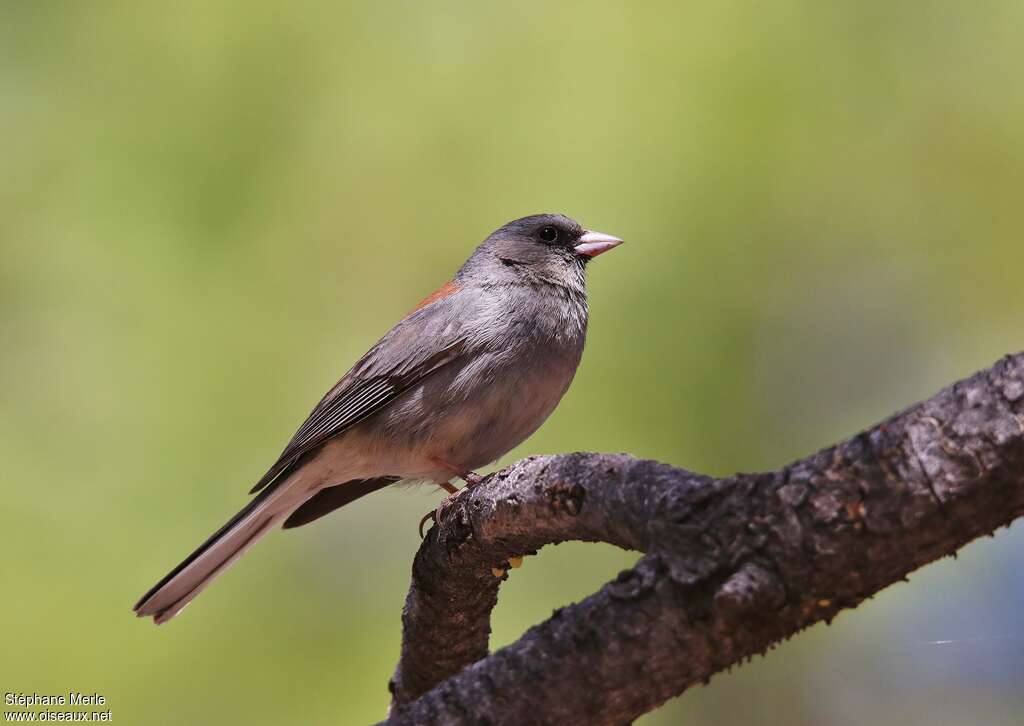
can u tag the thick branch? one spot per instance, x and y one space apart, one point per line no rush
731 566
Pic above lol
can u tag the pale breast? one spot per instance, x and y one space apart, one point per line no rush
476 409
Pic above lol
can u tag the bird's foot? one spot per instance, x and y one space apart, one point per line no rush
436 515
471 478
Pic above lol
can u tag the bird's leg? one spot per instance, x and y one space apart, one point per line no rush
434 514
471 479
437 514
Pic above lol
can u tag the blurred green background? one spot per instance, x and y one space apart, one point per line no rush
209 210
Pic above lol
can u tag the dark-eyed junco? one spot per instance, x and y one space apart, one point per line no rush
469 374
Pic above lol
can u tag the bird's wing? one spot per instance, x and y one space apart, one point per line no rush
419 345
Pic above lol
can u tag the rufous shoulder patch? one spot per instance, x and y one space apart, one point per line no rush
444 291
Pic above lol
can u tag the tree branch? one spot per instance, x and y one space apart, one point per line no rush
732 565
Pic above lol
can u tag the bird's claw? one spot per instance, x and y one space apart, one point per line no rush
438 514
432 514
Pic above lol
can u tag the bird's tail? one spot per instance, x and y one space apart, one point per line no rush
165 599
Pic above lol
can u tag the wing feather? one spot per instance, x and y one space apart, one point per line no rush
366 389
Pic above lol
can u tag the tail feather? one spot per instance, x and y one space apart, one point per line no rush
166 599
327 500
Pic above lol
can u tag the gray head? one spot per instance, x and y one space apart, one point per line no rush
541 248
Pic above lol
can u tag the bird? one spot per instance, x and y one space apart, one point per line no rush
471 372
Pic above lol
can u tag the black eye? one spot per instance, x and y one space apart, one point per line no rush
548 234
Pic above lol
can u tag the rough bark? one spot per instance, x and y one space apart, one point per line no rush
731 566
